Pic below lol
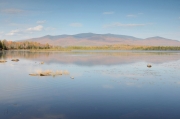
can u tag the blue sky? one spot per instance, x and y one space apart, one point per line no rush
23 19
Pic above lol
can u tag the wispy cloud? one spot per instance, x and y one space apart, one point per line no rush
41 22
18 25
117 24
1 33
13 32
50 28
36 28
12 11
134 15
108 13
131 15
14 24
75 25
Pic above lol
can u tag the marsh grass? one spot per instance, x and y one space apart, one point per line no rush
109 47
3 61
50 73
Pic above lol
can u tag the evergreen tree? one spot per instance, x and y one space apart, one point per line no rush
1 47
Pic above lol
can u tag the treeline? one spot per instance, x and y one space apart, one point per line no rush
105 47
122 47
12 45
157 48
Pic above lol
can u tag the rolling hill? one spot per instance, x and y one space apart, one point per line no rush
91 39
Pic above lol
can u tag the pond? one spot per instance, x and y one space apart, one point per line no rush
97 85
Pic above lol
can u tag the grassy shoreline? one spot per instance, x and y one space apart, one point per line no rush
107 47
113 47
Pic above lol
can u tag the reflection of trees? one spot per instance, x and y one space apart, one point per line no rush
25 54
3 55
94 58
31 55
123 53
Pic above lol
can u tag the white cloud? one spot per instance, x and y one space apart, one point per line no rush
41 22
12 11
75 25
131 15
117 24
24 31
108 13
13 32
36 28
179 17
140 13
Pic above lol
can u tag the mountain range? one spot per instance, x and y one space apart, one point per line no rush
92 39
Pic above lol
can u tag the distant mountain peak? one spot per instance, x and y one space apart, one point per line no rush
90 39
157 38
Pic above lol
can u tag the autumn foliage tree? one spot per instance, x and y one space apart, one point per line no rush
8 45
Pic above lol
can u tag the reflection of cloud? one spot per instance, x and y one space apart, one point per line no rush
107 86
122 75
95 58
130 84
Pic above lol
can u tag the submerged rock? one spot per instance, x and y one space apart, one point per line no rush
15 60
41 74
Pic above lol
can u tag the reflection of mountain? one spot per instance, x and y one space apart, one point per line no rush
95 58
91 39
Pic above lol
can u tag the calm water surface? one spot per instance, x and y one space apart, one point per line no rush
106 85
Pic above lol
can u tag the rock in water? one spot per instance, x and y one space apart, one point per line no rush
149 66
2 61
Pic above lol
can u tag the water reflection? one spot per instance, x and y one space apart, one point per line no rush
94 58
107 85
